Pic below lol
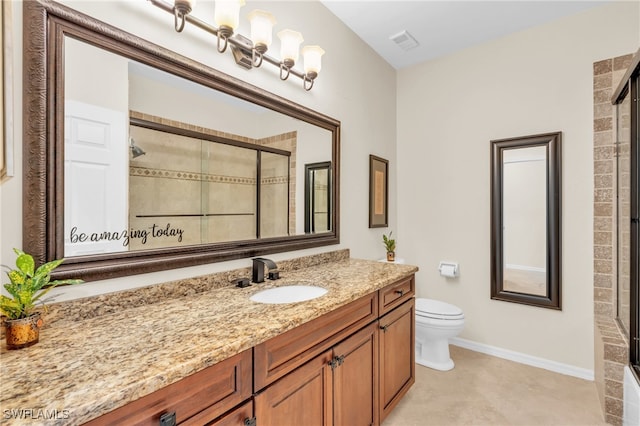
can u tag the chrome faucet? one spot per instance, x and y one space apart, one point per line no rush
257 272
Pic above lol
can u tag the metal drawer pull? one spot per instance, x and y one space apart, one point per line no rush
400 292
168 419
336 361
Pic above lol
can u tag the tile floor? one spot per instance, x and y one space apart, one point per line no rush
485 390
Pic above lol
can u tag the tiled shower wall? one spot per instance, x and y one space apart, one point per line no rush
168 180
611 346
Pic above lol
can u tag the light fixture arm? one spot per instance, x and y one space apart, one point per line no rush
167 7
308 79
257 54
224 34
285 69
256 58
179 20
307 83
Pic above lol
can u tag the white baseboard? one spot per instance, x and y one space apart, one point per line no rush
524 268
557 367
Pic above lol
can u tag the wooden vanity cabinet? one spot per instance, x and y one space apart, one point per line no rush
195 400
337 387
280 355
396 343
323 372
397 355
348 367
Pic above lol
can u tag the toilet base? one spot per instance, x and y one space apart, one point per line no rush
442 366
434 354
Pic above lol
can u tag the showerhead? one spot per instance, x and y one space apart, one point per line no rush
136 151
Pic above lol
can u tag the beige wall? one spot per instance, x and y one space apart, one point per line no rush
447 110
341 91
535 81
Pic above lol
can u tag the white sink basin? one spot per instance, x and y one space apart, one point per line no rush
288 294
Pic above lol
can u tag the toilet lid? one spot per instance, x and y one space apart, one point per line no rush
437 309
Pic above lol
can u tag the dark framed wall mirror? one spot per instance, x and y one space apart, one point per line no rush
138 159
317 197
526 220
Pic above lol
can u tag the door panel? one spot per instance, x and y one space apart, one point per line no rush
302 397
356 379
95 179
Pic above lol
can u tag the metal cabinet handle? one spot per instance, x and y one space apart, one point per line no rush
384 328
336 361
168 419
400 292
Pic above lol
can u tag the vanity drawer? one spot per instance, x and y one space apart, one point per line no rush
282 354
210 392
396 294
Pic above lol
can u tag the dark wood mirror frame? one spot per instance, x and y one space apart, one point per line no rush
45 25
309 195
552 143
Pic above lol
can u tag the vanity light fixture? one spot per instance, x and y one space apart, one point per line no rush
250 52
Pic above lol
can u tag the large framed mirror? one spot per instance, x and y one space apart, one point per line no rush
526 220
138 159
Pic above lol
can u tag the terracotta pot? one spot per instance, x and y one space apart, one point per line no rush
24 332
391 256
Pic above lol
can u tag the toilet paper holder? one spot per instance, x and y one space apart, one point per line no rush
448 269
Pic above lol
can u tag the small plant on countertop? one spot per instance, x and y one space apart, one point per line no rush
390 245
27 286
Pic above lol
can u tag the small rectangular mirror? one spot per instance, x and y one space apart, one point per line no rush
525 220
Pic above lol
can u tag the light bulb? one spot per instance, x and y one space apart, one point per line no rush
312 60
261 29
289 46
227 13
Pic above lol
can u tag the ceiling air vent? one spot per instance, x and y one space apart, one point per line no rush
404 40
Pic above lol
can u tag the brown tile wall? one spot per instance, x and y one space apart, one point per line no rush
611 346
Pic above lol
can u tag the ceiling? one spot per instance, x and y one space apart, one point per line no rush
445 26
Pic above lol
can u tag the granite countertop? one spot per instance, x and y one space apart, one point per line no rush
89 367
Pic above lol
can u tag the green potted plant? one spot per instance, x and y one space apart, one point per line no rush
26 288
390 245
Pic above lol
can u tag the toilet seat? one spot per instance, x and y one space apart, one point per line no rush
436 309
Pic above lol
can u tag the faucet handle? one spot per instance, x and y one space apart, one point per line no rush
274 275
241 282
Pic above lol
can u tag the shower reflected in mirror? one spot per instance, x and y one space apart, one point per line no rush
136 151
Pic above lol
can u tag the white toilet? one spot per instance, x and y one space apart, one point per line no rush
436 322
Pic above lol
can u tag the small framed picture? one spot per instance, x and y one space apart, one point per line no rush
378 192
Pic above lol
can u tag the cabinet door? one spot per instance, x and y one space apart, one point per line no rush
397 355
302 397
355 379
